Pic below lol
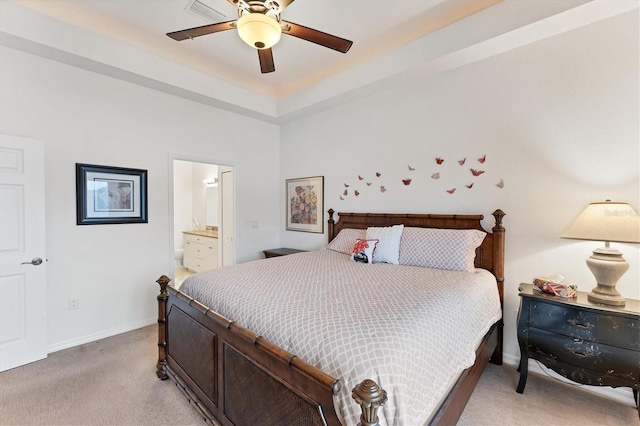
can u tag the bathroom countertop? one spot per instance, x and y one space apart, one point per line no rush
203 233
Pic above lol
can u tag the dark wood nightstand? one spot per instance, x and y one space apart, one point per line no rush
583 341
283 251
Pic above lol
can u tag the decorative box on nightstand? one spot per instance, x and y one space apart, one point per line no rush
585 342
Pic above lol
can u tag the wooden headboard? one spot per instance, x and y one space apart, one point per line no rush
490 254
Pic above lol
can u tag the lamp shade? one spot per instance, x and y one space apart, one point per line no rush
607 221
258 30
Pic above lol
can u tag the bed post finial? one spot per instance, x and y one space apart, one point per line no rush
162 327
330 223
369 396
498 215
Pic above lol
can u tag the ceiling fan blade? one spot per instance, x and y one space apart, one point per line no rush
203 30
266 60
283 3
317 37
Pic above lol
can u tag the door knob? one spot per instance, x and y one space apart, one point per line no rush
35 262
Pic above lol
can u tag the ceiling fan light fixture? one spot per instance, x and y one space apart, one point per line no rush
259 31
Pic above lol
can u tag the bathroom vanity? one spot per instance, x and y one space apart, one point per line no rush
200 250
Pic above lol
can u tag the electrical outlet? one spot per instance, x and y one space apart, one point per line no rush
74 303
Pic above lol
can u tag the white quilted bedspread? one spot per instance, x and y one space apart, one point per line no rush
411 329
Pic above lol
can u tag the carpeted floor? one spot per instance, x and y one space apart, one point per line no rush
113 382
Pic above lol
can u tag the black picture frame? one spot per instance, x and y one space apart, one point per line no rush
110 195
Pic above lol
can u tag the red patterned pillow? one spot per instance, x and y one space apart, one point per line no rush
363 251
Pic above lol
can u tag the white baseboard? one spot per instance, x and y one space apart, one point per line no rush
623 395
101 335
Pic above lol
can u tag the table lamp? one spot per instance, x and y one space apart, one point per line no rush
606 221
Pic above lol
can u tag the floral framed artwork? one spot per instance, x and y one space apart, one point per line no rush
305 210
106 195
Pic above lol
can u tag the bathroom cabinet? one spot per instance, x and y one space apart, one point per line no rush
200 250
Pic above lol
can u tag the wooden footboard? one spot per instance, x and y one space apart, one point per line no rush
233 376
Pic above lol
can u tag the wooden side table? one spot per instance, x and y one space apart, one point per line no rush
585 342
283 251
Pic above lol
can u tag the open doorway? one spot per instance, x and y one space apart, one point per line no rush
203 211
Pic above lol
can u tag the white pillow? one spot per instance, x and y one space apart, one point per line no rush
388 249
363 251
346 238
453 249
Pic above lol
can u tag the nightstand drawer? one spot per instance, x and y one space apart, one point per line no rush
590 355
587 325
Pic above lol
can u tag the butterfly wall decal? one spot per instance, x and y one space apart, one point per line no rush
356 192
461 162
346 186
482 159
383 189
470 185
378 174
439 160
451 191
406 181
360 177
435 176
500 184
476 172
410 168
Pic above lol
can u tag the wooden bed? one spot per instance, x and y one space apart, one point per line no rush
233 376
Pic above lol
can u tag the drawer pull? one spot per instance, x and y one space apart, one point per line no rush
589 351
580 325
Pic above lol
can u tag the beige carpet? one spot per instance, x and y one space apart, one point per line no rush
113 382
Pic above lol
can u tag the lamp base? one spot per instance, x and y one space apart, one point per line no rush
605 299
607 265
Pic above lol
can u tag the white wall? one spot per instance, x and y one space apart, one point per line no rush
88 118
557 120
182 200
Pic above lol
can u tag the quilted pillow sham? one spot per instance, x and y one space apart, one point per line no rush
388 248
452 249
345 240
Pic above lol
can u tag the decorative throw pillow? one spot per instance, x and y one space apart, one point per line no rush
388 249
453 249
363 251
346 238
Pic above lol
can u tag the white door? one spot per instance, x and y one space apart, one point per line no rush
23 309
228 237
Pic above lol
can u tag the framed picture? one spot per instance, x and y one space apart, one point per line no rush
107 194
305 210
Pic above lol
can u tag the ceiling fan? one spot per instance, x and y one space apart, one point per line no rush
259 25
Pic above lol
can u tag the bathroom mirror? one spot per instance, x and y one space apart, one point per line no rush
212 205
